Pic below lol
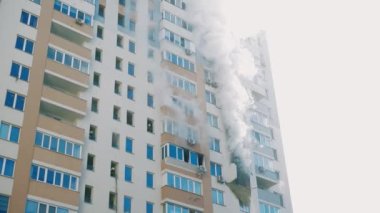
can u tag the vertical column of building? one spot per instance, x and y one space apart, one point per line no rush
48 166
270 178
122 153
185 157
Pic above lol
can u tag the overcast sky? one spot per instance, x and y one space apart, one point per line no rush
325 58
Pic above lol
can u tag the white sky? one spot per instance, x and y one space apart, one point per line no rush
325 63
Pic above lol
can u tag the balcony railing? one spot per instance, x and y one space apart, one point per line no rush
271 175
270 197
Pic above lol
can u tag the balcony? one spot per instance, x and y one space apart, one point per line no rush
266 178
270 197
69 27
71 46
56 125
258 91
168 193
166 137
261 128
53 193
62 104
266 150
66 78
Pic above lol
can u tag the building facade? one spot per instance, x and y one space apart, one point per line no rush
108 108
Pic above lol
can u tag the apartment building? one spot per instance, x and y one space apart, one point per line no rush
107 107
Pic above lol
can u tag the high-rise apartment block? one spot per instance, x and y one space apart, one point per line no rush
107 107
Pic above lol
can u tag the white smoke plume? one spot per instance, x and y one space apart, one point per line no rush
234 69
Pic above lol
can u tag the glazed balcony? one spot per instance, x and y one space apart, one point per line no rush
266 177
270 197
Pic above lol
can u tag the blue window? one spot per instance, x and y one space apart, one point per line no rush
57 179
50 176
36 1
215 169
128 174
31 206
41 174
131 69
149 207
20 43
194 158
34 207
66 181
62 146
54 144
132 25
130 93
9 167
170 180
217 197
14 100
73 183
2 160
57 5
172 151
45 143
6 167
150 101
28 19
214 144
72 12
33 172
4 203
129 145
127 204
29 45
20 72
77 151
9 132
38 138
15 133
65 9
149 180
132 47
149 152
183 183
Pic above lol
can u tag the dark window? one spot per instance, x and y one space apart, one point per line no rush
118 63
92 133
94 104
115 140
120 20
99 32
90 162
113 171
117 88
88 194
116 113
98 54
130 118
119 41
96 79
112 200
101 10
150 125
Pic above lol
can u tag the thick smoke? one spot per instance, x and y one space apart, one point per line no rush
234 70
